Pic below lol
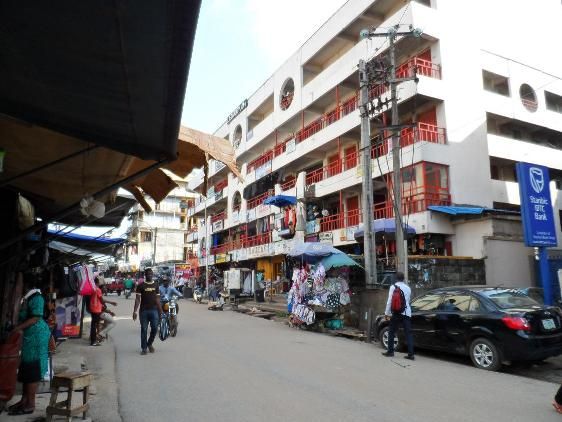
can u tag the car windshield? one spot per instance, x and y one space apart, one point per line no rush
508 298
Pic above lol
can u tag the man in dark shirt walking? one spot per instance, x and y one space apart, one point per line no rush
148 297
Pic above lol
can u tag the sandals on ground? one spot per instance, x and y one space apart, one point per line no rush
557 407
20 411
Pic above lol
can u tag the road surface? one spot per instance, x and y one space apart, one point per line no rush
233 367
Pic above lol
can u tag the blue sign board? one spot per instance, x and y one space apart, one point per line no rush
536 205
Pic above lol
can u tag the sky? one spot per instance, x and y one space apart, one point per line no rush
238 45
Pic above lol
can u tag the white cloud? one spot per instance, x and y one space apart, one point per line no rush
281 27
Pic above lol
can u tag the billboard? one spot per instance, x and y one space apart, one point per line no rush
536 205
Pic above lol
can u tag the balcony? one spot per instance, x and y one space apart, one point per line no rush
420 66
218 217
260 161
258 239
289 184
258 200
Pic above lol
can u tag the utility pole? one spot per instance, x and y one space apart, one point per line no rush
206 248
393 80
401 252
154 248
369 246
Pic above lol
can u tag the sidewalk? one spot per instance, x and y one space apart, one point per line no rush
78 355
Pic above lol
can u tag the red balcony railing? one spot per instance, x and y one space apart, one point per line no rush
258 239
351 160
258 200
282 147
289 184
423 132
424 68
260 161
219 249
353 217
332 222
218 217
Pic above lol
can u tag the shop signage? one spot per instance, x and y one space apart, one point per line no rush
211 260
283 247
259 251
263 211
263 170
235 217
251 214
182 271
237 111
290 146
218 225
327 237
68 313
221 258
312 226
536 205
239 255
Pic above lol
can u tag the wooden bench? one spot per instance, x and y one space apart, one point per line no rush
71 381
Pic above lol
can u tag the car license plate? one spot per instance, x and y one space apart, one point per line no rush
548 324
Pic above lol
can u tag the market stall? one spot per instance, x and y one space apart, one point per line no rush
320 286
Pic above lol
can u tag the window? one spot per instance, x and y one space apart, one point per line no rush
287 93
146 236
553 102
428 302
237 138
495 83
456 302
528 98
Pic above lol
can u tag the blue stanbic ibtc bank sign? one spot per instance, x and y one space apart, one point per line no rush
536 205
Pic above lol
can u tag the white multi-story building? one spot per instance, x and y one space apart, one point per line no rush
160 236
480 107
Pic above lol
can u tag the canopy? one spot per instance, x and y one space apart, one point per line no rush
386 226
281 200
339 260
110 73
458 210
313 250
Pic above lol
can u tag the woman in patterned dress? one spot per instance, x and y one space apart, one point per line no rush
34 352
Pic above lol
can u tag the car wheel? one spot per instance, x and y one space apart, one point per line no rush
383 337
485 354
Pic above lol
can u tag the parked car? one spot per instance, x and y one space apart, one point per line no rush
116 286
491 325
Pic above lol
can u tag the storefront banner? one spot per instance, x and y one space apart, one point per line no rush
312 226
222 258
259 251
218 225
68 312
290 146
263 211
251 214
239 255
283 247
182 271
263 170
327 237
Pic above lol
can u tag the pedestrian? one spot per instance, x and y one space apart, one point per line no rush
35 348
107 317
557 403
398 311
95 307
148 299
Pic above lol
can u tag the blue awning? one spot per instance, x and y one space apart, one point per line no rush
281 200
456 210
75 238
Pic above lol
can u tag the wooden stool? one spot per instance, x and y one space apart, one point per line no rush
72 381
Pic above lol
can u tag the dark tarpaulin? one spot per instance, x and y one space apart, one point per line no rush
110 73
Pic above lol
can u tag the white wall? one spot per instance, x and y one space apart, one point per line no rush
508 263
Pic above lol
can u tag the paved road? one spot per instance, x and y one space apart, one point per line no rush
232 367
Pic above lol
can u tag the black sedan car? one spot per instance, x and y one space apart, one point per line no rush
491 325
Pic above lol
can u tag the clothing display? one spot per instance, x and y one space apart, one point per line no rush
304 313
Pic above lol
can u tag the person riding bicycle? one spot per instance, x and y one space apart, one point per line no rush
166 291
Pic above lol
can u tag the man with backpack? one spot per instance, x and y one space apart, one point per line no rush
398 311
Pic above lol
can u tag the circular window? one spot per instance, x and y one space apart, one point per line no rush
528 98
237 138
236 201
287 93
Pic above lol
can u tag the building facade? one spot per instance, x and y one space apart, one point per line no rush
160 236
473 113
